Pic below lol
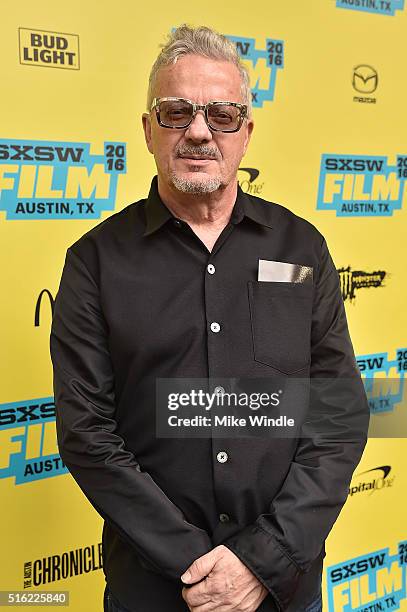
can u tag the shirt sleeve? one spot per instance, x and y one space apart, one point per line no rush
96 456
283 543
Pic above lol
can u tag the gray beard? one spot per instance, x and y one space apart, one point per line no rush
196 186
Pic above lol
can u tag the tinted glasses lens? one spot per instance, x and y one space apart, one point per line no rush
175 113
224 117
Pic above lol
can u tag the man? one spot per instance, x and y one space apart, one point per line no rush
168 288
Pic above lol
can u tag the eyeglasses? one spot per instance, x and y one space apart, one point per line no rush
178 113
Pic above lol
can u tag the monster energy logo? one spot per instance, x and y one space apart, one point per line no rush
350 280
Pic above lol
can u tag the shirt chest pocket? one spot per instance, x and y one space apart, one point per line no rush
281 315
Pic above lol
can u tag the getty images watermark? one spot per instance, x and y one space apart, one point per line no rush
279 407
220 399
227 407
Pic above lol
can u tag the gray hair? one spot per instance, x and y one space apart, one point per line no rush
204 41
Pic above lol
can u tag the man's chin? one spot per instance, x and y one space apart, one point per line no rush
196 182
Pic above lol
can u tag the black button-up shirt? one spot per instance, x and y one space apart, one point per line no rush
141 297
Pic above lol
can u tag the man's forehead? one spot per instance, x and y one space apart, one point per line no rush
195 75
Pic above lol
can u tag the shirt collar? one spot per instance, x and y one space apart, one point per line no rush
254 208
155 210
157 213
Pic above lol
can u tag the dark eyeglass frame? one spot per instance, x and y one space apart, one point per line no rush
242 108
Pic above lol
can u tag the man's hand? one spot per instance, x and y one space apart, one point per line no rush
228 584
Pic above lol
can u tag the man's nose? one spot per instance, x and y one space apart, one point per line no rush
198 130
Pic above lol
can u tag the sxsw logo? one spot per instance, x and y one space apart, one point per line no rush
380 7
383 379
262 65
374 581
28 442
42 179
361 185
49 49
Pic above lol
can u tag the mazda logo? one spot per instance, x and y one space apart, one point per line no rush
365 79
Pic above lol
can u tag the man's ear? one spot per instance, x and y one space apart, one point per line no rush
147 131
249 130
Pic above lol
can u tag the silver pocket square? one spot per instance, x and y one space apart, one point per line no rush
278 271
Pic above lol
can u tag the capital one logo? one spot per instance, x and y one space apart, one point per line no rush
262 65
365 79
371 481
247 178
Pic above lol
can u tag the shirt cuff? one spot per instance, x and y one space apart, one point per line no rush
267 559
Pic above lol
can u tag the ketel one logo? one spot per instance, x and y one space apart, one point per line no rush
351 280
262 65
380 7
373 480
247 178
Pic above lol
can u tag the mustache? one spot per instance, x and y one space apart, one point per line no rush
198 151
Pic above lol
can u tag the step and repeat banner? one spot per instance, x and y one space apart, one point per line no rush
330 143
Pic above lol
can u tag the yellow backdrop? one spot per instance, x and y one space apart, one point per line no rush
329 143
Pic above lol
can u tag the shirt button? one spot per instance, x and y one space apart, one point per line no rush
215 327
219 390
211 268
224 518
222 457
177 223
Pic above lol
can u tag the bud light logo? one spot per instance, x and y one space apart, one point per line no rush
49 49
